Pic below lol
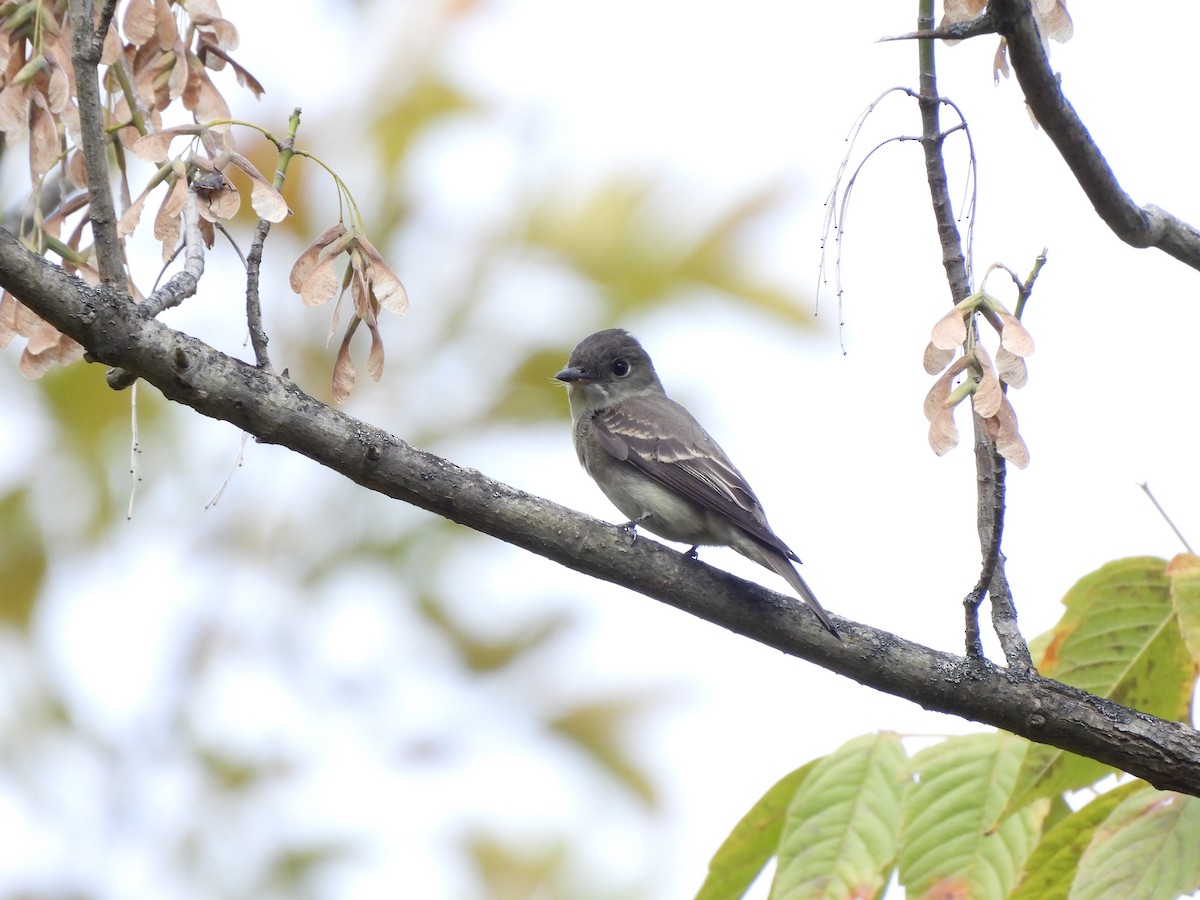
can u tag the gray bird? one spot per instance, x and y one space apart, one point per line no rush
656 463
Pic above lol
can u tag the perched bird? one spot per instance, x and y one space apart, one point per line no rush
656 463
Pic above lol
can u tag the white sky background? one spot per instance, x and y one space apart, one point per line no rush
834 444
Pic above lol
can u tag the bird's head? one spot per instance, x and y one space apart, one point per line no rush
606 366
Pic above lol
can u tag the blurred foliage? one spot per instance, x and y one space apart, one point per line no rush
291 547
22 559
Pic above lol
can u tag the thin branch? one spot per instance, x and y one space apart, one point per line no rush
955 31
184 369
935 168
258 335
1004 622
989 466
1145 486
186 281
1139 226
106 17
85 56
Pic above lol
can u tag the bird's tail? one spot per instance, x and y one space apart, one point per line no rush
781 564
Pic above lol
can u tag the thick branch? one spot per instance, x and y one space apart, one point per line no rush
85 57
1141 226
1166 754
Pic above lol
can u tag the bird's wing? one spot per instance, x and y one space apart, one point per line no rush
644 431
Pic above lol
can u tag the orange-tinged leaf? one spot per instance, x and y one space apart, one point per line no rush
268 202
138 23
1054 22
950 330
343 370
155 146
1015 338
14 109
987 396
130 218
10 309
220 32
164 24
943 435
201 95
936 358
1011 368
308 259
44 145
167 223
375 357
387 289
321 283
58 89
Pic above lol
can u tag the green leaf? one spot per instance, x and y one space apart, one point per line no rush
1118 638
840 836
753 841
950 842
1184 572
1146 848
1054 863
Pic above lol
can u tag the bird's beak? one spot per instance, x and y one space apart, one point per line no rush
573 373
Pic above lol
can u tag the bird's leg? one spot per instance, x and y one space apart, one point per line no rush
630 527
694 553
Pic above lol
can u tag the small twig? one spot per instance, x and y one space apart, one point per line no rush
237 462
985 23
1145 486
106 17
184 283
135 450
220 226
258 335
1026 290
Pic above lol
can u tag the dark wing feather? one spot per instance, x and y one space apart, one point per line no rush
662 439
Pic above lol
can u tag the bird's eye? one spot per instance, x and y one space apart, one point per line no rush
620 368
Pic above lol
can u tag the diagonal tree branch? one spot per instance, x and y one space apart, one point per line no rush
1166 754
1140 226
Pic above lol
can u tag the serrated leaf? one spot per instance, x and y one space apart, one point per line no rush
841 832
1054 862
1184 574
1146 848
1117 638
753 841
950 843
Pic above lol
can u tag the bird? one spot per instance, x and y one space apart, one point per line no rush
658 465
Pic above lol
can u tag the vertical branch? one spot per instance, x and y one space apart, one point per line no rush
86 47
258 335
935 167
989 465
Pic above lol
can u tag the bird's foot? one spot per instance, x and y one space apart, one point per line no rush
694 553
629 529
